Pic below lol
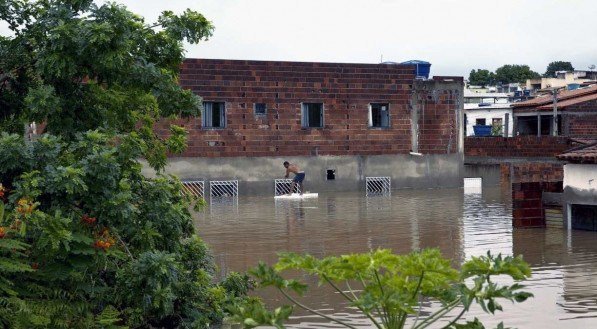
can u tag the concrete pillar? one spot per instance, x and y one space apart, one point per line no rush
506 125
539 125
414 118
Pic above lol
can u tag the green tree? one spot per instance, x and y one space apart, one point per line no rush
553 67
481 77
515 73
86 240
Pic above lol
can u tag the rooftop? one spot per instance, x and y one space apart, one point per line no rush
581 154
562 96
569 102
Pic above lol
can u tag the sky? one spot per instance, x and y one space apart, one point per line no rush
454 35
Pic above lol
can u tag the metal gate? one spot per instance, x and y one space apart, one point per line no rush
194 188
378 186
223 190
282 186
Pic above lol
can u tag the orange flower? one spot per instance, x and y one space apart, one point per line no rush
25 206
2 232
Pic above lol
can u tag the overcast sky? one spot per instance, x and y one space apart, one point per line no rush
454 35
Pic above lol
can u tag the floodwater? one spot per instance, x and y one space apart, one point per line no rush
461 225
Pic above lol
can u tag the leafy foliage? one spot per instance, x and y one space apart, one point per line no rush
90 240
553 67
481 77
77 66
86 240
497 129
389 288
515 73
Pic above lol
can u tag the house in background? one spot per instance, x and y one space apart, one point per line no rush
580 187
563 79
576 113
491 109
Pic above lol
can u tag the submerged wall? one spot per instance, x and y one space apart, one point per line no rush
256 174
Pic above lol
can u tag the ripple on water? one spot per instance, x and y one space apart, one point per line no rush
461 225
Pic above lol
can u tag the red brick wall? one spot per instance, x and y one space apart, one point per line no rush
518 146
438 125
346 91
531 172
529 181
527 203
583 125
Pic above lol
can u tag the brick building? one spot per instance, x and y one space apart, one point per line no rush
577 114
355 119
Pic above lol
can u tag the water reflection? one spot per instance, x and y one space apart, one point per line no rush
460 225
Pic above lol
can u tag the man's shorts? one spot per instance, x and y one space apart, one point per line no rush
298 178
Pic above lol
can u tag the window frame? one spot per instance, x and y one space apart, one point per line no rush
370 116
304 122
255 109
223 116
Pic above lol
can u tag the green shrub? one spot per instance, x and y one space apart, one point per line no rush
389 288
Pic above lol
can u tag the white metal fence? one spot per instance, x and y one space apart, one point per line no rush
282 186
223 189
378 186
194 188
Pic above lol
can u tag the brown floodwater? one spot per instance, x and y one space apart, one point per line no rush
461 225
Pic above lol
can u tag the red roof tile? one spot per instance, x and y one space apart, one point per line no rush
583 154
568 102
562 95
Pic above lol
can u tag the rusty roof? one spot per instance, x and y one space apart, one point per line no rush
569 102
581 154
562 95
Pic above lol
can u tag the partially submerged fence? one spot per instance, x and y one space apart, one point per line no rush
282 186
378 186
223 190
194 188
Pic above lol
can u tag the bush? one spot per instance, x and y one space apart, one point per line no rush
90 236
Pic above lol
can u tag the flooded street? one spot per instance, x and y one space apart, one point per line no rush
461 225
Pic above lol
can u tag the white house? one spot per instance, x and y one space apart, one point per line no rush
580 187
491 109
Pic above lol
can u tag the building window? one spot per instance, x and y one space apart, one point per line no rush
214 115
312 115
260 109
379 115
480 122
584 217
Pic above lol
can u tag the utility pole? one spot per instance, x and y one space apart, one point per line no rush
555 112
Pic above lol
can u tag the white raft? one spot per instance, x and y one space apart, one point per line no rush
296 196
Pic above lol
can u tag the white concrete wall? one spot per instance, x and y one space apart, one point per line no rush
257 174
581 177
488 115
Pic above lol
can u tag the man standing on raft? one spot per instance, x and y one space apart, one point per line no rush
299 176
